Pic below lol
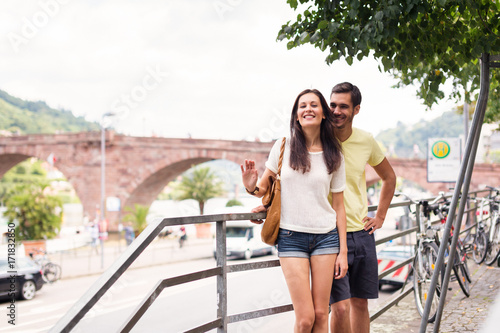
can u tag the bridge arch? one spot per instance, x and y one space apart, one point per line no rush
137 169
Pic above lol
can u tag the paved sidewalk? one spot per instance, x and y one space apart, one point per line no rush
461 314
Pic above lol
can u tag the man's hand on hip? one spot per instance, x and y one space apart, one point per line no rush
372 223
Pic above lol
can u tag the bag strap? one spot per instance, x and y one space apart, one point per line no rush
282 151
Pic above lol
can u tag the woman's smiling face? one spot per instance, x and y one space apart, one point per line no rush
310 112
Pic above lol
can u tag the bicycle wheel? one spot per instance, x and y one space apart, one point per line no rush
494 245
464 260
423 270
479 247
461 271
463 282
51 272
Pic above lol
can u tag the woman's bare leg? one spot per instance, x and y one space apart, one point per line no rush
322 270
296 272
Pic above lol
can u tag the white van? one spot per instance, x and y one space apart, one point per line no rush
243 240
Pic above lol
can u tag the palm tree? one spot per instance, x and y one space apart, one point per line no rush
137 216
201 184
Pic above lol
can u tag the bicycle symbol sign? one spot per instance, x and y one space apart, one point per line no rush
440 149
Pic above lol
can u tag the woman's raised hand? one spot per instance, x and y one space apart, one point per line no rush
249 174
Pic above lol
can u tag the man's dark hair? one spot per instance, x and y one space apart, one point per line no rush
346 87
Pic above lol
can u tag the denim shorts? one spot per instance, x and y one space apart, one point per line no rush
304 245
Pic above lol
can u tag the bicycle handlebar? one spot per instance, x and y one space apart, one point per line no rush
428 207
397 194
496 189
439 197
435 205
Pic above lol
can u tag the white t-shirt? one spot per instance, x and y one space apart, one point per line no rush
304 196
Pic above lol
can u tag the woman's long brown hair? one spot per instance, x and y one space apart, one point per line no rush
332 150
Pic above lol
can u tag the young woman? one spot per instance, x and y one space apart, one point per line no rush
312 239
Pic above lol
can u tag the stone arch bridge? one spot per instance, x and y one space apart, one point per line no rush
138 168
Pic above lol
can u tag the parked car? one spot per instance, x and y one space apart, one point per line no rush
24 282
391 256
243 240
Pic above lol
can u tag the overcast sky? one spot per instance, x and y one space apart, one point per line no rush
204 68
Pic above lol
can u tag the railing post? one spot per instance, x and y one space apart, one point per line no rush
473 213
418 218
220 254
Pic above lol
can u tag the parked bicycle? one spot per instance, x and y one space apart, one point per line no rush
51 272
426 253
460 262
493 248
481 238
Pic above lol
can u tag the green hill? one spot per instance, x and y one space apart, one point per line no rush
27 117
403 137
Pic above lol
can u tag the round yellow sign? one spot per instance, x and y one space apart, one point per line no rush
440 149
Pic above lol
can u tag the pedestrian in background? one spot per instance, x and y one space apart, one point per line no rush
93 229
182 237
129 233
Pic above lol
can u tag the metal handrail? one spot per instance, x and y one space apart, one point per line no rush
111 275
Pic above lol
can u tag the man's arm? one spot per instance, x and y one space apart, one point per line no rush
386 173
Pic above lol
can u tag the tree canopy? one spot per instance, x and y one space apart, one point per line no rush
420 42
201 184
404 137
137 216
36 214
26 172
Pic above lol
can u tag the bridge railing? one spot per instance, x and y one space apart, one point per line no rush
112 274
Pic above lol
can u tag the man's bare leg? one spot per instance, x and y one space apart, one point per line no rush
360 317
339 319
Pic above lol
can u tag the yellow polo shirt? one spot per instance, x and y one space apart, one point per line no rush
359 149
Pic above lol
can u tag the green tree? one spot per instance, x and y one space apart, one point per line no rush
402 137
421 42
233 202
137 216
495 156
201 184
28 171
36 214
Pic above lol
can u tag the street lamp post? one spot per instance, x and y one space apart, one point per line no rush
103 182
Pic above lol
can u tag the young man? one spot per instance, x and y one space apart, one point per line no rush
349 296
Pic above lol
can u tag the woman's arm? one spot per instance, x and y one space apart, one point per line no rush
341 263
250 176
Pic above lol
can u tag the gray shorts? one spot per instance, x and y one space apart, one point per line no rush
361 280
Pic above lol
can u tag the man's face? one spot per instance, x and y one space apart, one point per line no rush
342 109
